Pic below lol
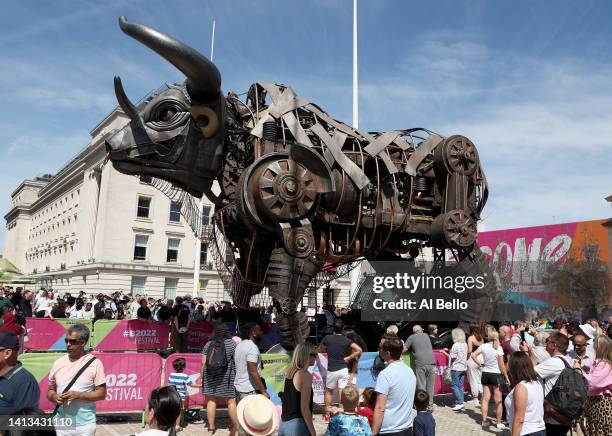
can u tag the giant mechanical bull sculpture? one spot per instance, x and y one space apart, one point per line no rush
299 190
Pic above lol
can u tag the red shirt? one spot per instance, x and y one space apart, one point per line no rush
10 324
366 411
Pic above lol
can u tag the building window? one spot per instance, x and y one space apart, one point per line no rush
144 207
140 247
205 215
146 179
202 290
170 286
175 211
203 255
173 249
138 285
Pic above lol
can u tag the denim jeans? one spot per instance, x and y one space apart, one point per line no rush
293 427
457 378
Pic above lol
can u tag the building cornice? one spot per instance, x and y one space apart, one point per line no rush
32 183
15 212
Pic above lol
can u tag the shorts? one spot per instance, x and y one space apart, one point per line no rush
242 395
491 379
337 379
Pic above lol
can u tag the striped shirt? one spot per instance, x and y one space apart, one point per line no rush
179 381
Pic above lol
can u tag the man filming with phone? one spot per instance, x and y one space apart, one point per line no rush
76 382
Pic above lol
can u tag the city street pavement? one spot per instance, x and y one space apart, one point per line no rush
448 423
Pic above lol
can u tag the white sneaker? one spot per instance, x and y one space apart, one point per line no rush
475 402
501 426
458 407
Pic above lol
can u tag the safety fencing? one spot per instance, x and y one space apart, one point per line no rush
130 377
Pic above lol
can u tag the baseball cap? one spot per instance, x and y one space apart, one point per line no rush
9 340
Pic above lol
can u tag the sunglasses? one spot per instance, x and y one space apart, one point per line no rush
71 341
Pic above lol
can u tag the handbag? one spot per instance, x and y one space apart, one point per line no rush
448 379
73 381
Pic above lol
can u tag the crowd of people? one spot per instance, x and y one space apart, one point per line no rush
521 368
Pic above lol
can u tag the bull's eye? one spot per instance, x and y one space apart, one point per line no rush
167 115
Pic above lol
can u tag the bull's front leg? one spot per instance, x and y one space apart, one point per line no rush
290 270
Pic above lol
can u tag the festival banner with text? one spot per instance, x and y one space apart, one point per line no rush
130 378
198 334
523 257
127 335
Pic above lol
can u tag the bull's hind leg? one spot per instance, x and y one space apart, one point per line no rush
287 280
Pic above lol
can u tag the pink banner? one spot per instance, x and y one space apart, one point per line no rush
130 335
193 369
46 334
519 255
198 334
130 378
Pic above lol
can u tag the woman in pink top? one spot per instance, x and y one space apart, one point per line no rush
598 410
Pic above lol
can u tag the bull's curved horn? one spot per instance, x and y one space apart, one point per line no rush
203 77
124 101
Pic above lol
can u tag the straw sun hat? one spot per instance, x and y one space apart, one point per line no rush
257 415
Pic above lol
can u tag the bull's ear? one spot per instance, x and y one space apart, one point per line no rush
203 77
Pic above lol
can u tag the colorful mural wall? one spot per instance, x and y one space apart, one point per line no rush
525 257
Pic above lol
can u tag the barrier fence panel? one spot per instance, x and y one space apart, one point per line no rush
130 335
130 378
47 334
197 335
274 371
193 369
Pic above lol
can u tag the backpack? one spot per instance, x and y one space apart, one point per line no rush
216 359
565 402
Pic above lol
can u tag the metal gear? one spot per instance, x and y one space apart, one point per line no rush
454 229
458 155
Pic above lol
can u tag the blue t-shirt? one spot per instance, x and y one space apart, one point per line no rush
344 424
424 424
398 382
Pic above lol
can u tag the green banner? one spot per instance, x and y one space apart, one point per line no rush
102 328
407 358
39 364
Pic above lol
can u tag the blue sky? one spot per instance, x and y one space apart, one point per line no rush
528 82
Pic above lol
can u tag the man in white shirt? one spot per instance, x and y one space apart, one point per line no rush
550 370
582 352
134 306
247 359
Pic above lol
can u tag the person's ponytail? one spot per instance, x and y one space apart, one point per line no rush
494 337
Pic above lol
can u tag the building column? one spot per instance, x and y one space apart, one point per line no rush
103 187
95 175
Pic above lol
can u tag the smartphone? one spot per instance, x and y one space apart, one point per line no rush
523 336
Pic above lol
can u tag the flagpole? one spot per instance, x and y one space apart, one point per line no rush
355 272
198 242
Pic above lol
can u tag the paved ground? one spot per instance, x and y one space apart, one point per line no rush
448 423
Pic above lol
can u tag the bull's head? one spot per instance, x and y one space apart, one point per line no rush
178 135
